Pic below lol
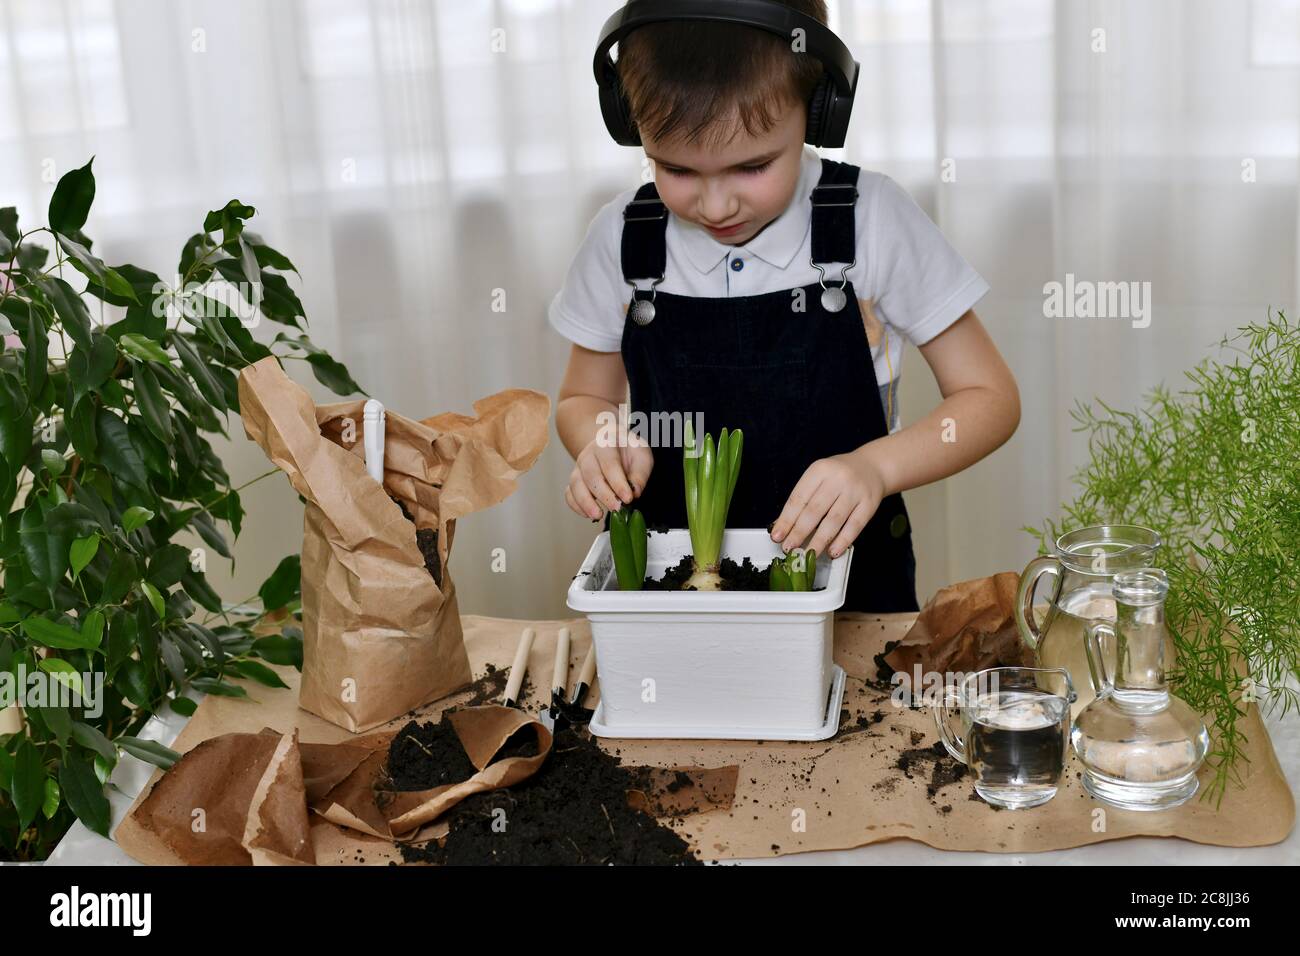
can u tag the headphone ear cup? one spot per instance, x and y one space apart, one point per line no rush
818 107
631 133
616 112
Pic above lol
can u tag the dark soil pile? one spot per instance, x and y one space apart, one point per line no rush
884 672
489 688
574 810
426 539
745 576
426 755
943 769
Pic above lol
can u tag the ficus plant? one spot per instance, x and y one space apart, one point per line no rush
710 481
110 381
795 571
627 541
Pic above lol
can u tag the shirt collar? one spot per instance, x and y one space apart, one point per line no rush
775 245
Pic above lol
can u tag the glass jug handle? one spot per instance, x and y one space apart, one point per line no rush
1024 606
1102 683
942 714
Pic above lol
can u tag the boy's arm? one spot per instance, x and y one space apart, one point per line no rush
594 382
606 474
980 410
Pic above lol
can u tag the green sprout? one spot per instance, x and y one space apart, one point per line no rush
710 480
627 540
794 572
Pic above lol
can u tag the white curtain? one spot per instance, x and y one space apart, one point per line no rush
413 157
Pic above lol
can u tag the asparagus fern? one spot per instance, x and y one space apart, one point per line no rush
1212 467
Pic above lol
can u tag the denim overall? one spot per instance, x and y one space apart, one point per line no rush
797 379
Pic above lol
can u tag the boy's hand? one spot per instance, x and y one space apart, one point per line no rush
835 498
605 477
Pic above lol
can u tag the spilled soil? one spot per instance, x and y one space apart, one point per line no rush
573 811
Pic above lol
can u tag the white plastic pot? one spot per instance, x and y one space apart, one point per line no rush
734 665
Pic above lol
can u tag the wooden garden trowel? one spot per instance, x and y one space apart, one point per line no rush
559 712
562 712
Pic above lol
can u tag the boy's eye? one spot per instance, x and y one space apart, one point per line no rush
750 170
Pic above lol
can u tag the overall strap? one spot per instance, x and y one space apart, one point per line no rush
833 200
644 253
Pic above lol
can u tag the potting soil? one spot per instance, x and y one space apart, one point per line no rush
574 810
426 539
743 576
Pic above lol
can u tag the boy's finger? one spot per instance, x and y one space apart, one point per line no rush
597 486
830 525
611 468
641 464
810 517
794 505
582 496
569 500
852 528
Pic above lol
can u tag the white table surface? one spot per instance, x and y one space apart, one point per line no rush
82 847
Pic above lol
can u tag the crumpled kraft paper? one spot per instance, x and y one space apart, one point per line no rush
240 799
380 636
965 627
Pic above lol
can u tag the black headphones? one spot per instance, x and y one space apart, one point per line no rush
831 100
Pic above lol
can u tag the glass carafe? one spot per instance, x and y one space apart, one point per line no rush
1139 745
1082 566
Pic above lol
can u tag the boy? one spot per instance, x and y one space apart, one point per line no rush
742 320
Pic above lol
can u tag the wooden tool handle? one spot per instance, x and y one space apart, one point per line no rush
560 676
519 667
588 672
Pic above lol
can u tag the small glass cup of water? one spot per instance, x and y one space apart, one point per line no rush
1015 731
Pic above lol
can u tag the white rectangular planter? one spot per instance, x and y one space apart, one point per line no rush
733 665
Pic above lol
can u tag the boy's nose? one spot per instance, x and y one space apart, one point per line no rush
717 206
718 215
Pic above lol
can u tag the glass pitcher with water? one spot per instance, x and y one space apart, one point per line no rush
1140 746
1083 566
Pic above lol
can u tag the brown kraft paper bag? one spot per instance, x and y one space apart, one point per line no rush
380 637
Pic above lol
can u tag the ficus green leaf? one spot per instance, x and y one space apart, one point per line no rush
259 672
52 634
92 739
28 785
283 585
70 204
82 553
115 449
149 751
144 348
64 673
153 404
85 793
137 516
155 599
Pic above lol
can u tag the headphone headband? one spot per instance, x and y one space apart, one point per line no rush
826 128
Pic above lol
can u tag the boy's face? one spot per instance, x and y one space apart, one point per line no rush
735 189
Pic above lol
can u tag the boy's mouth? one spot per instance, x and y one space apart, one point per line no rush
726 231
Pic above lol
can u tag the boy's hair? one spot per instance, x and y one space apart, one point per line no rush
705 81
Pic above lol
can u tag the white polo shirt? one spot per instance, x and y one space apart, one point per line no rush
911 283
